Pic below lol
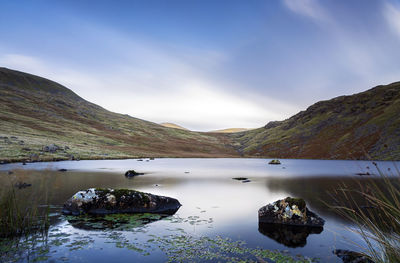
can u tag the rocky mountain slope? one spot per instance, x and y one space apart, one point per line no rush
362 126
43 120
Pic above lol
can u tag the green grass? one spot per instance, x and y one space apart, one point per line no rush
377 222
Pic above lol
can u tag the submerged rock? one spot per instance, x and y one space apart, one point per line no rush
132 173
348 256
110 201
289 211
275 161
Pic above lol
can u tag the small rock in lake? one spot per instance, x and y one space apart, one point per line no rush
187 172
21 185
361 174
240 178
110 201
132 173
140 160
348 256
275 161
62 170
246 181
289 211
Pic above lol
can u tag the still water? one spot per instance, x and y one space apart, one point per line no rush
213 205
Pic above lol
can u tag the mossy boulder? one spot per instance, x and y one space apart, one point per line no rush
116 201
289 211
275 161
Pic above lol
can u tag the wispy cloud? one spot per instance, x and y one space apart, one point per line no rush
392 16
180 94
308 8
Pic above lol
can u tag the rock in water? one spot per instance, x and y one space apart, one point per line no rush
110 201
275 161
289 211
349 256
132 173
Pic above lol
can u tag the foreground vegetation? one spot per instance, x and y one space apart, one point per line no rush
375 211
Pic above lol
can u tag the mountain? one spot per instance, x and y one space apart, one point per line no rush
361 126
231 130
43 120
173 125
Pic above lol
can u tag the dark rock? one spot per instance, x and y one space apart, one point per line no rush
246 181
140 160
240 178
187 172
151 158
275 161
27 149
23 163
361 174
52 148
66 148
132 173
290 236
21 185
348 256
110 201
10 172
62 170
289 211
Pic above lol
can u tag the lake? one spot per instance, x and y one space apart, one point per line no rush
214 207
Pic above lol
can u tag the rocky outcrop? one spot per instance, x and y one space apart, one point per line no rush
110 201
289 211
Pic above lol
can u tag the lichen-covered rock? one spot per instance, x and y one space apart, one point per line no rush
275 161
289 211
110 201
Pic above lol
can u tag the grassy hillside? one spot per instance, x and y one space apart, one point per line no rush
36 112
231 130
361 126
173 125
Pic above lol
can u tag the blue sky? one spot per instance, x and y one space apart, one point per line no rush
205 64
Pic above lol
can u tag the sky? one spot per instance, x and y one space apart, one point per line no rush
203 64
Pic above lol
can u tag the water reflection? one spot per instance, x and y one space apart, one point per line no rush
290 236
119 222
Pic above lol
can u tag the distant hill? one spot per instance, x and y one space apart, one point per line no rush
361 126
172 125
231 130
43 120
36 112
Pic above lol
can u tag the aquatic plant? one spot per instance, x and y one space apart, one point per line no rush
374 209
